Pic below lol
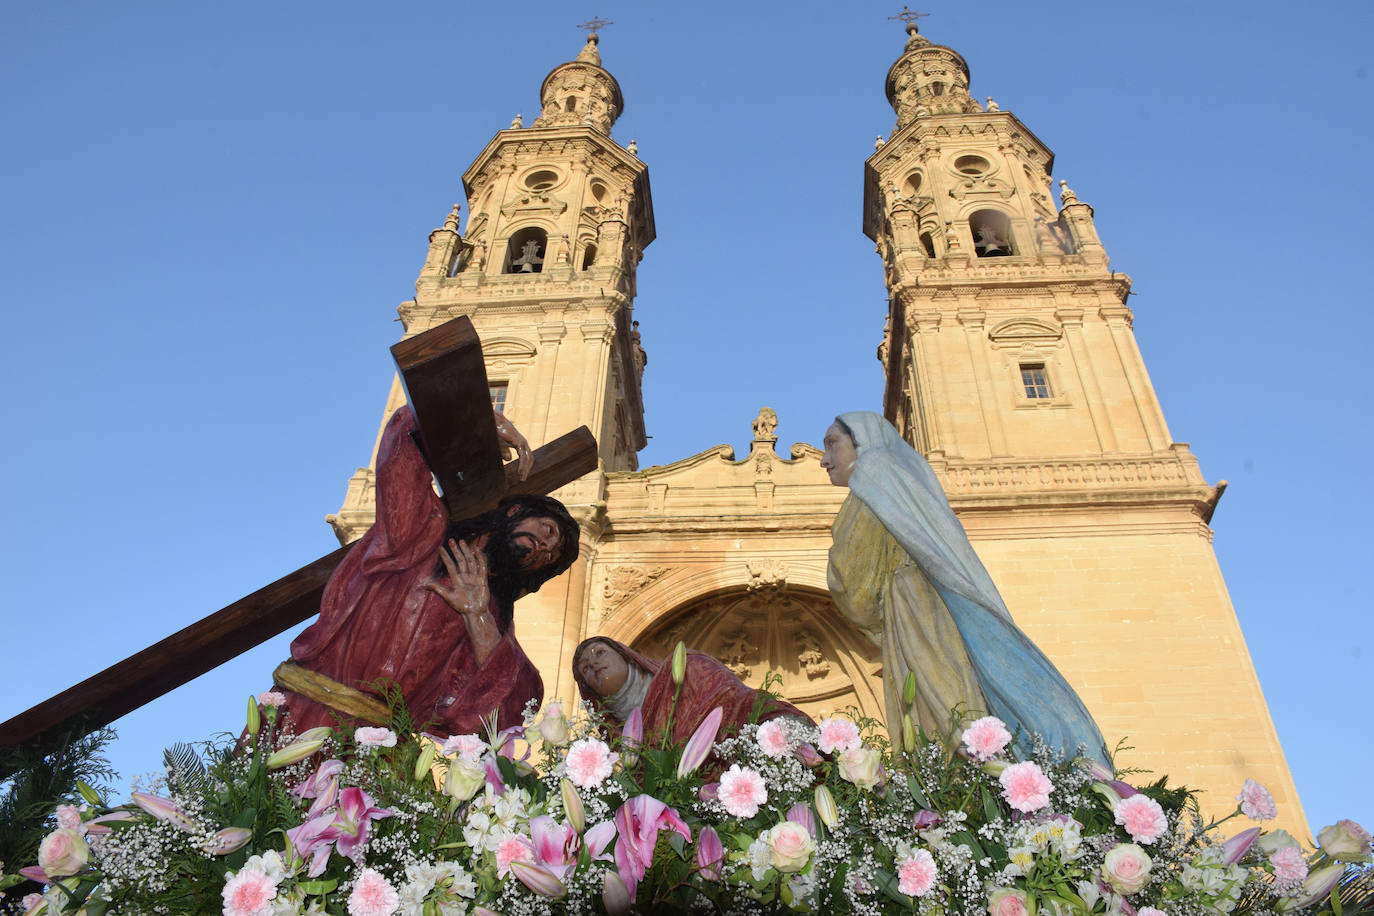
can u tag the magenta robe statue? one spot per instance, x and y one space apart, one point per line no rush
377 620
706 685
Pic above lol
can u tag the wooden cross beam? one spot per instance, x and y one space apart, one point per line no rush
446 384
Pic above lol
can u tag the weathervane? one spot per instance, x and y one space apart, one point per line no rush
909 17
594 23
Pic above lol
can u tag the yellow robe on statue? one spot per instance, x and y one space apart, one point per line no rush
875 583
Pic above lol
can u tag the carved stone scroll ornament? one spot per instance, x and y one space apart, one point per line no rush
767 574
623 581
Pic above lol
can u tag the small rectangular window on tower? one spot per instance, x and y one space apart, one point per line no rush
1036 383
498 395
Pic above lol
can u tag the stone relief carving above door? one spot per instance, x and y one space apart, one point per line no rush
823 662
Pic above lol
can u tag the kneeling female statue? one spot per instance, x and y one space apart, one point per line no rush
903 570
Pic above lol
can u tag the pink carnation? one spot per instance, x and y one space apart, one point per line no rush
1256 803
589 762
512 849
1290 868
1150 911
1142 817
772 739
838 735
742 791
368 736
987 737
271 698
469 746
916 876
372 895
249 893
1026 787
68 817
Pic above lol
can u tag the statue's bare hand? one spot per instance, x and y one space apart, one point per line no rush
466 590
511 438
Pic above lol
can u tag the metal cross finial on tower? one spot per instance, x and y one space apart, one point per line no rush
909 17
592 24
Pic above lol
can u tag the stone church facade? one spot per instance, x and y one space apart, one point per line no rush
1010 363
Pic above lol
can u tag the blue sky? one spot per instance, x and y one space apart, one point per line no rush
211 213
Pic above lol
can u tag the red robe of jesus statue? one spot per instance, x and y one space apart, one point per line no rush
377 619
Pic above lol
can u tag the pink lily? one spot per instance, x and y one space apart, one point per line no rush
314 840
1097 770
323 786
808 755
800 813
709 791
1239 845
925 818
1316 888
99 826
555 845
228 840
699 745
615 896
597 838
631 737
165 811
355 812
573 808
1125 790
498 785
638 823
710 853
538 879
34 873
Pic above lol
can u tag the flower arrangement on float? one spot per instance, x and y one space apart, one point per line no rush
559 818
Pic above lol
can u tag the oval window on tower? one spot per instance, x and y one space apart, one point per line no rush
541 180
972 165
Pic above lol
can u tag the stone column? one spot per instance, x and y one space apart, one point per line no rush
1072 320
1118 319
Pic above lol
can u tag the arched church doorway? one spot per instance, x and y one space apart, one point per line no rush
824 662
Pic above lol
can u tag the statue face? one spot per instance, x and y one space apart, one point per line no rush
535 542
840 455
602 668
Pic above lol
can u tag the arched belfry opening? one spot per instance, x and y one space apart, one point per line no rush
526 251
991 231
824 662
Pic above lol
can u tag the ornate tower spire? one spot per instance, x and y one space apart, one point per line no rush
559 216
580 91
927 78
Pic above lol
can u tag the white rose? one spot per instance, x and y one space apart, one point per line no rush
1126 868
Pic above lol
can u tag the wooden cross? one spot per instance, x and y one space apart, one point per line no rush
446 384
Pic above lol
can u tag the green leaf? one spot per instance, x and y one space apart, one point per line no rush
742 841
324 886
245 818
990 810
1336 900
676 841
887 883
914 786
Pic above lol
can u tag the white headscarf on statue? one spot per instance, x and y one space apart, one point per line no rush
899 487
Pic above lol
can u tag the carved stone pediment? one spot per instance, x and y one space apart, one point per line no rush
533 202
1025 330
982 187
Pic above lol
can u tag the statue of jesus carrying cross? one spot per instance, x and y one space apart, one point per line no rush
428 604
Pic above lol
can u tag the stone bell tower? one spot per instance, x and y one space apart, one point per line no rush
559 215
1011 365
